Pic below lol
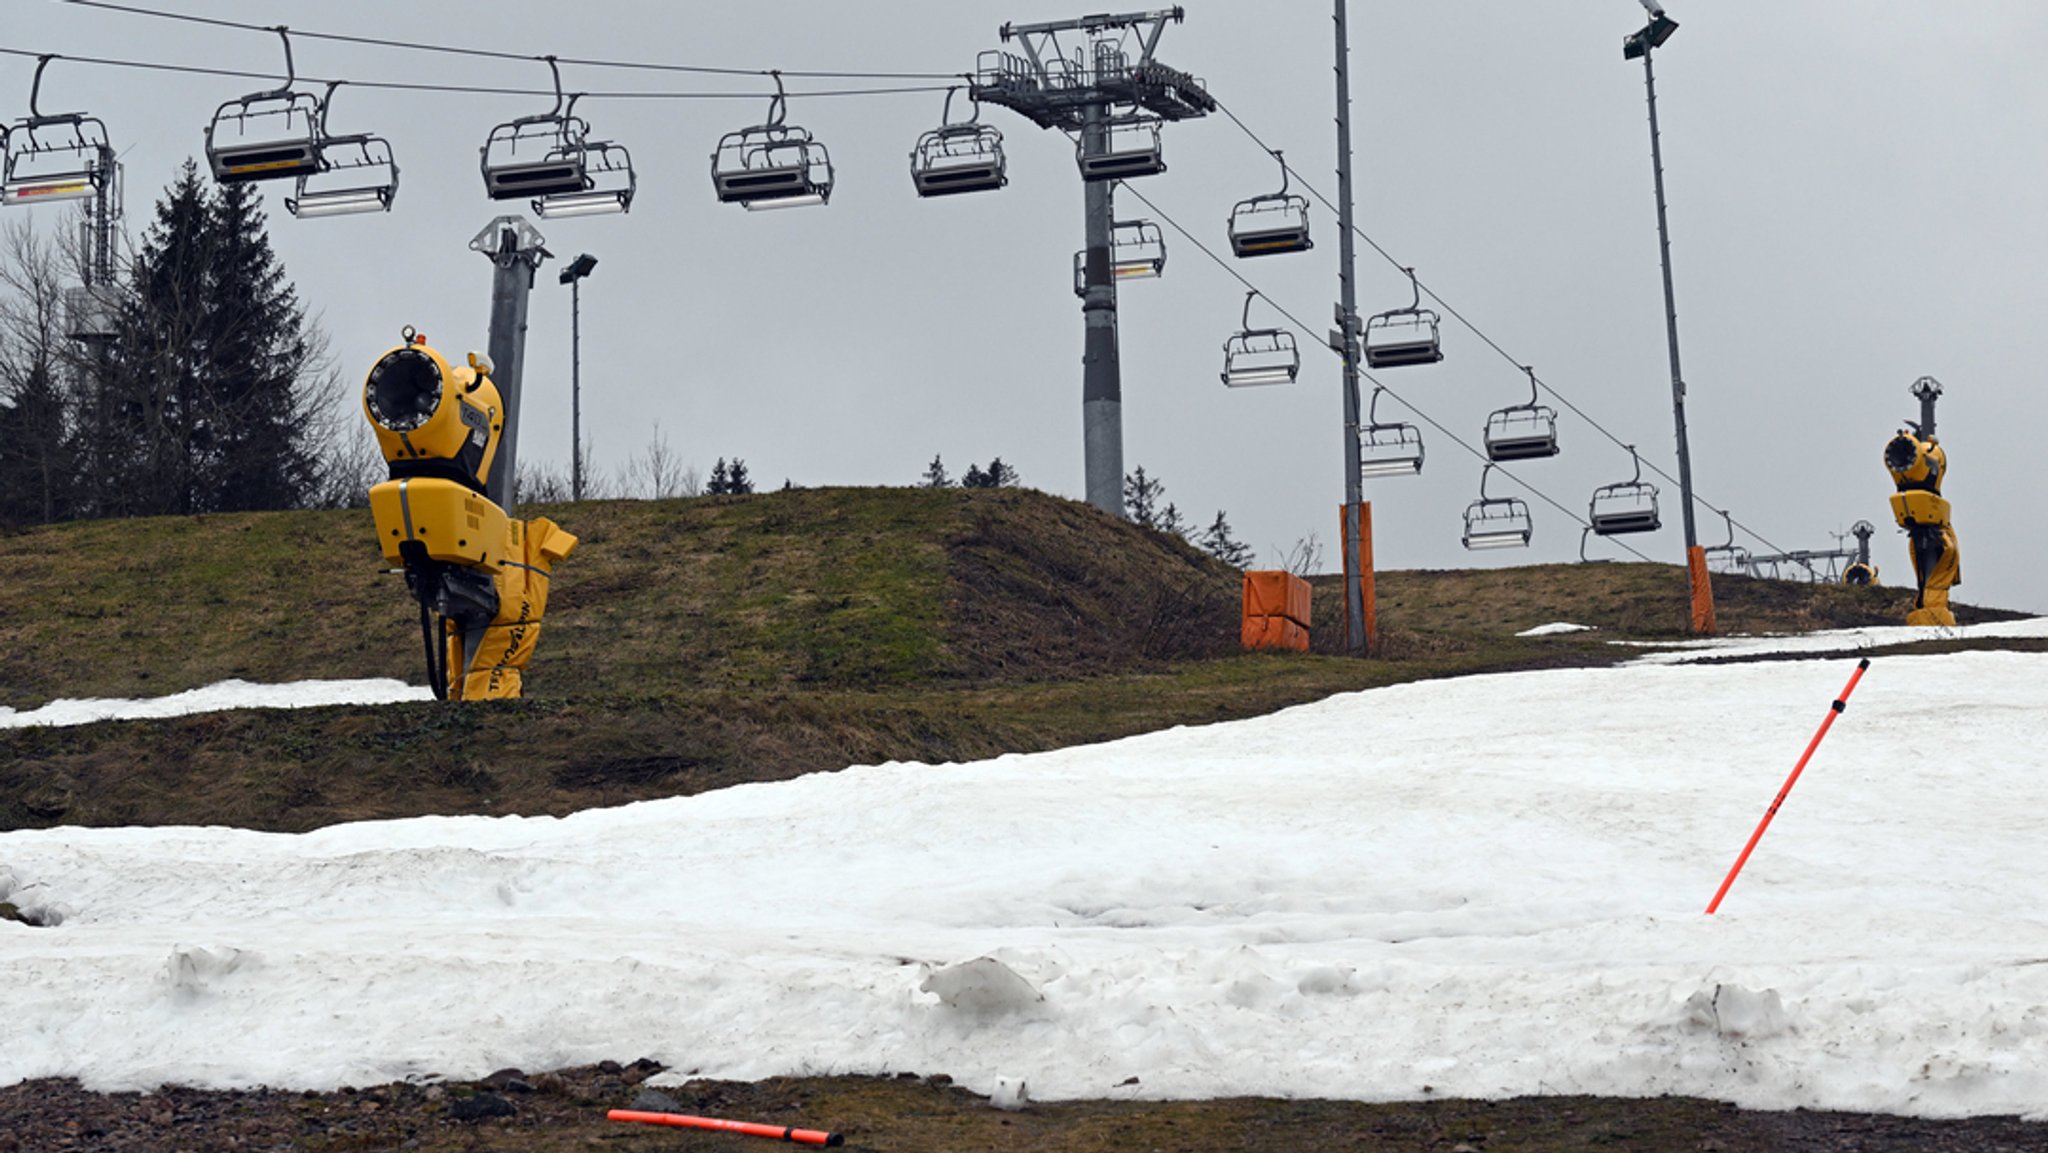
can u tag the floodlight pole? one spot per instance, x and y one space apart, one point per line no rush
515 249
1644 44
1043 85
576 388
573 277
1347 335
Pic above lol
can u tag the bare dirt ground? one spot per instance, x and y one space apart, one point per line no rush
518 1112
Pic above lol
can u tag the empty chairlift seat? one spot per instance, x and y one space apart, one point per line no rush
1400 337
1137 251
1496 522
772 165
357 174
53 158
1274 223
1628 506
1254 356
1131 148
267 135
1522 431
956 158
1388 449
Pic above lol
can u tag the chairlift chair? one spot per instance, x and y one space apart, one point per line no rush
1274 223
1390 449
1628 506
1401 337
772 165
1253 356
1522 431
1496 522
1137 251
550 158
1131 148
956 158
1728 557
53 158
365 174
268 135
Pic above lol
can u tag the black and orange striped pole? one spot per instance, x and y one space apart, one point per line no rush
1835 710
749 1128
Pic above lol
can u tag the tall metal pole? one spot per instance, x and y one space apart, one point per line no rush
516 250
576 389
1102 389
1347 322
1670 311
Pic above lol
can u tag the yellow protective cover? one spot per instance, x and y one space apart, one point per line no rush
496 670
457 525
1948 572
1915 506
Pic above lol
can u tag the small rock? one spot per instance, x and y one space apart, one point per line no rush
1464 1148
1131 1080
498 1079
940 1079
656 1101
480 1106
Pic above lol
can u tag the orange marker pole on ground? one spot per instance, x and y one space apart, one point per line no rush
1835 710
684 1121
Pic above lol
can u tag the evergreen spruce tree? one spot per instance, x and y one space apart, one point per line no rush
1001 475
1141 498
1217 542
935 474
737 480
36 467
210 404
974 478
721 479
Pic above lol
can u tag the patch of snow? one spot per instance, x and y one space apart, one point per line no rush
232 694
1554 628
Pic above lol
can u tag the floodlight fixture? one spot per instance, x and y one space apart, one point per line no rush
1652 35
578 268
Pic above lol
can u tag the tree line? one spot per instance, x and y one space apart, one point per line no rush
202 386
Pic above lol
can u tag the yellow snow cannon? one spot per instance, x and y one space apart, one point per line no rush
438 425
1918 464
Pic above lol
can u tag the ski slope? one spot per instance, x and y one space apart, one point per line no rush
1482 887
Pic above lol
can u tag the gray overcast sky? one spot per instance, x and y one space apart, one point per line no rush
1854 189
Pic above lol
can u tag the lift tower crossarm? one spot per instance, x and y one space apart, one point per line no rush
1156 19
1030 86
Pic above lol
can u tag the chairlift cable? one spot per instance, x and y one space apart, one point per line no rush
1304 330
487 53
462 89
1698 497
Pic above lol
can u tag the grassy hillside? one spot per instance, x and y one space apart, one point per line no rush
692 644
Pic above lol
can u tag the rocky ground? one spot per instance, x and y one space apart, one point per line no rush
516 1112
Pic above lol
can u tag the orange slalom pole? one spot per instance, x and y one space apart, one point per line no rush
684 1121
1835 710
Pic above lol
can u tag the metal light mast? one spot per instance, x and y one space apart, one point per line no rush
1641 44
1088 95
1346 337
